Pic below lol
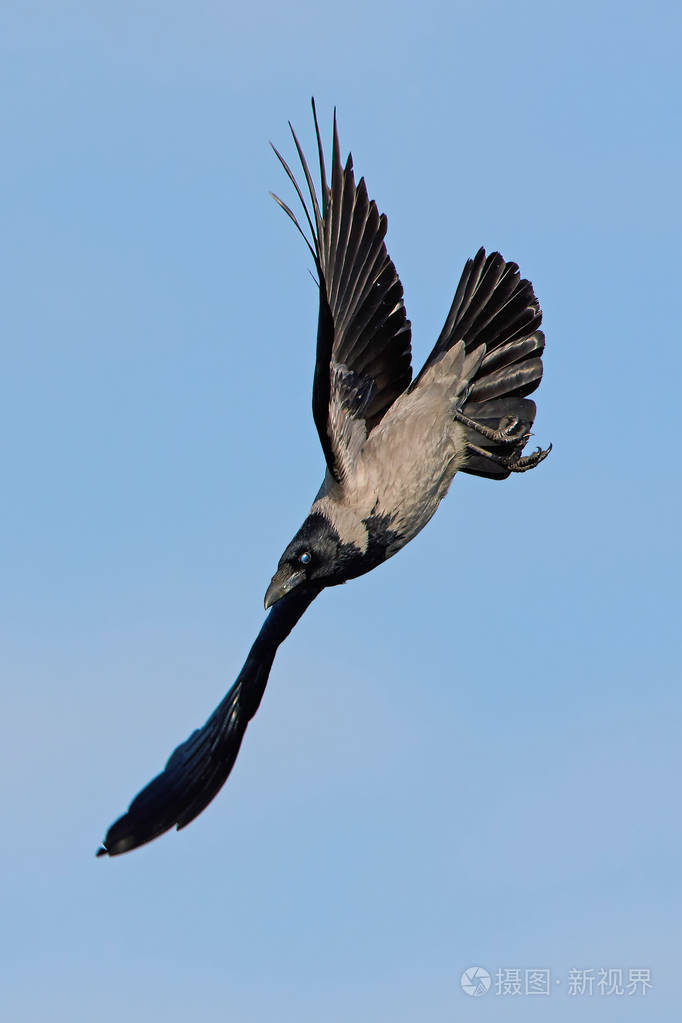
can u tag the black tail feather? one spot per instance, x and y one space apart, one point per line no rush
495 307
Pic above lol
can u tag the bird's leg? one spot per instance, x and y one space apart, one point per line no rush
511 462
504 435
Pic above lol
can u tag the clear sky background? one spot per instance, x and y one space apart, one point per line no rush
469 757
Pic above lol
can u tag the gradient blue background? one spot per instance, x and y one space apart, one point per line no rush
471 756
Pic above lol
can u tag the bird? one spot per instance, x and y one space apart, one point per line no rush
392 443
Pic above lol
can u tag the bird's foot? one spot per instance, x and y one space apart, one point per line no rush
505 434
513 462
529 461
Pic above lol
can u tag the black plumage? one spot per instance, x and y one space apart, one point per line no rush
362 324
199 767
392 445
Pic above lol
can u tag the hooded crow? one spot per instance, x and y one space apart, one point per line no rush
392 445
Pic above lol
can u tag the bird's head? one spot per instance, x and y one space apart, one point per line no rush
315 557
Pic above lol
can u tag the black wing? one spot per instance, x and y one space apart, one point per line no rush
197 770
363 335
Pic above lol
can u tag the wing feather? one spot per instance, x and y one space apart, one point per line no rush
362 325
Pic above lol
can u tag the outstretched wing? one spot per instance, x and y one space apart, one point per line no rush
199 767
363 335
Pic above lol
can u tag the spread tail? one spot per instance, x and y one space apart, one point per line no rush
495 307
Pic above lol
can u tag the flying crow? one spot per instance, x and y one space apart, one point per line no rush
392 445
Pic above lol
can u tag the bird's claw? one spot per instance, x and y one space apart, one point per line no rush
527 461
504 435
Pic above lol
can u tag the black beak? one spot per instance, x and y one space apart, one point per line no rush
283 581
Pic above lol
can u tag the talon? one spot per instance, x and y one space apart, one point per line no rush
503 435
513 464
529 461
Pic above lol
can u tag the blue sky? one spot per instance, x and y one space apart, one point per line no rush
469 757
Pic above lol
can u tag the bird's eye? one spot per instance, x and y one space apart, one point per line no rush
304 558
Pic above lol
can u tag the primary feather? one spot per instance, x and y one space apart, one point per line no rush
363 359
392 445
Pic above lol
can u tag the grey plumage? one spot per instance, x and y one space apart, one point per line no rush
392 445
